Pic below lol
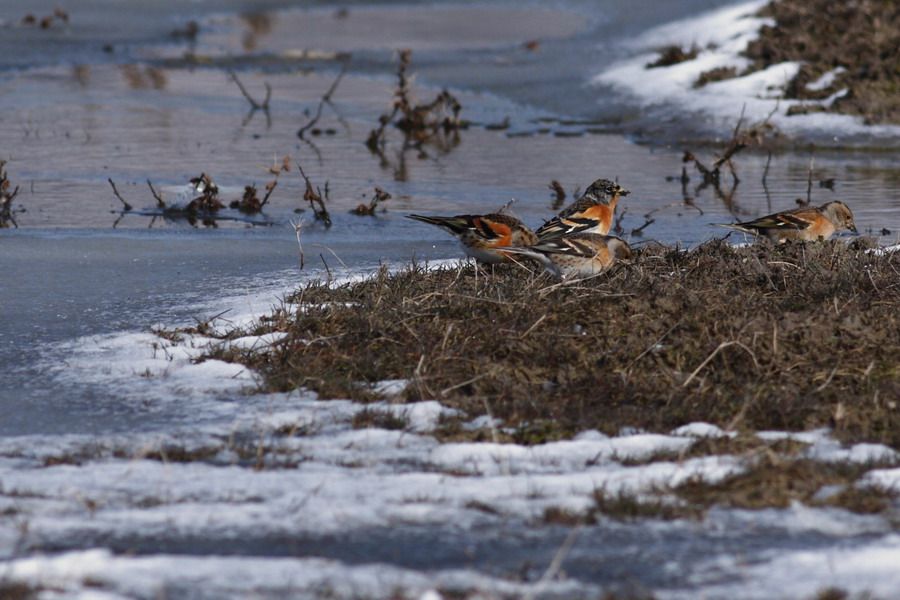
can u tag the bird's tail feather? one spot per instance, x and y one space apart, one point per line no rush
735 227
451 224
533 254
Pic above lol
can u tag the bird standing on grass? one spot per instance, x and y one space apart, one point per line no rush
592 213
578 254
807 224
482 235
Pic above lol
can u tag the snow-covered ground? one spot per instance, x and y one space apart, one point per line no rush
272 495
721 35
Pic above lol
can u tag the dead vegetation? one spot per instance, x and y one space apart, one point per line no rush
743 136
847 52
316 199
853 43
716 74
207 201
672 55
858 38
250 202
436 123
255 105
8 193
767 481
789 337
559 195
59 15
381 419
326 99
369 209
772 474
10 590
206 205
772 481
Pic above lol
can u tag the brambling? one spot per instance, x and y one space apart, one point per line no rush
592 213
482 235
578 254
808 223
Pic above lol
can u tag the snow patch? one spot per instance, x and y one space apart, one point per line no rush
390 387
721 36
78 574
885 250
826 80
702 430
866 567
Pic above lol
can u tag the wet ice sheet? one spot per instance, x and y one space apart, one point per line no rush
420 28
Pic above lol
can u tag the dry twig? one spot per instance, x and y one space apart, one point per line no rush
369 209
559 194
315 199
326 99
254 105
297 227
419 123
127 206
6 198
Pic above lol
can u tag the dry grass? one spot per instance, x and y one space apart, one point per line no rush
773 481
672 55
762 337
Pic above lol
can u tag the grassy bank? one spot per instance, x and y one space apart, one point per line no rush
760 337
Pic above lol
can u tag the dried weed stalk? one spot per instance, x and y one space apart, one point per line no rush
46 22
7 195
420 123
369 209
208 201
316 199
741 138
205 206
250 203
254 104
559 194
326 99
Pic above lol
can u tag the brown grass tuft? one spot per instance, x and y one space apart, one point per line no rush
762 337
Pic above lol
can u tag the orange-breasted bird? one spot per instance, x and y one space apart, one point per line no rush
578 254
807 223
482 235
592 213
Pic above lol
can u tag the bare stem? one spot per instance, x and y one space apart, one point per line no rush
118 195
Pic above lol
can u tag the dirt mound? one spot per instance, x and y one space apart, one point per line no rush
860 39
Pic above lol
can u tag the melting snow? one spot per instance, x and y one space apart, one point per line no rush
721 35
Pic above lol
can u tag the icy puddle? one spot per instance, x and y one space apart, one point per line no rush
270 495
